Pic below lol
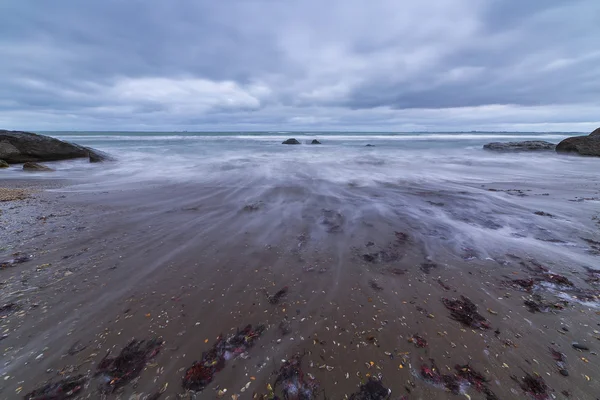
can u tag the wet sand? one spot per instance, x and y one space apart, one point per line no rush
189 262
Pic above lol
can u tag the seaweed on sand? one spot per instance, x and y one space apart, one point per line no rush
476 379
465 311
533 385
122 369
295 384
202 372
373 389
274 299
63 389
432 375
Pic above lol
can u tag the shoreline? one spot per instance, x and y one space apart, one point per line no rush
112 266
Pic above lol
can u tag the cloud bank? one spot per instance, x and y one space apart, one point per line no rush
379 65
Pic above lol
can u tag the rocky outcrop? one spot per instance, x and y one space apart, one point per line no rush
31 166
22 147
291 141
582 145
3 164
315 141
528 145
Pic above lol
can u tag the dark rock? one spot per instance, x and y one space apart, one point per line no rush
291 141
98 156
3 164
582 145
22 147
528 145
315 141
369 145
564 372
31 166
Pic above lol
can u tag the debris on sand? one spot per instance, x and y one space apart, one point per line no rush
253 206
418 341
285 327
13 262
465 311
533 385
432 375
333 221
525 284
373 389
8 308
427 267
63 389
593 276
381 256
536 303
122 369
543 214
202 372
442 284
465 375
475 379
295 383
561 361
375 286
274 299
558 279
401 237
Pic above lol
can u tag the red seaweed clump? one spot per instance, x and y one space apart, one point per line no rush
202 372
465 311
475 379
431 373
418 341
294 382
63 389
533 386
122 369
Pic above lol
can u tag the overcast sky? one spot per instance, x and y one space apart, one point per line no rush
389 65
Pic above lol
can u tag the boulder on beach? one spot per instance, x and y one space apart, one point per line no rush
315 141
31 166
527 145
291 141
3 164
582 145
22 147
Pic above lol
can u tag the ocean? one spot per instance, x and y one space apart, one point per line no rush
260 158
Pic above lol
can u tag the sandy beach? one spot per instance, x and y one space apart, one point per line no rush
366 291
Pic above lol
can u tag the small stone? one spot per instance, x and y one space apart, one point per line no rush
564 372
580 347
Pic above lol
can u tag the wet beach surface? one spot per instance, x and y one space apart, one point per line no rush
373 282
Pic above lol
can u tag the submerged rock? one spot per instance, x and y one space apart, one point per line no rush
582 145
22 147
291 141
31 166
315 141
528 145
3 164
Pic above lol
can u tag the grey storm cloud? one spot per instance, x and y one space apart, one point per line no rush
286 64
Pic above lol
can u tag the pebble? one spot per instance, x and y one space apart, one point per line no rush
580 346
